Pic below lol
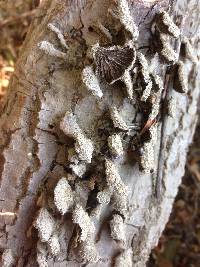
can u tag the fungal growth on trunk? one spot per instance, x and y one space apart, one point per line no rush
97 125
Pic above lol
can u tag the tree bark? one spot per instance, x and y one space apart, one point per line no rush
35 144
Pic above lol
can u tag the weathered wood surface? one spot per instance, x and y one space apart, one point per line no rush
34 149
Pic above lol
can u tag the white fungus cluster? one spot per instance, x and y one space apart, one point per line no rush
83 146
166 24
115 145
46 226
125 258
126 78
117 187
126 19
117 228
63 196
118 121
90 80
7 258
180 80
145 76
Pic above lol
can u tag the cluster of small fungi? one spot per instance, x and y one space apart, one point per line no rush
143 87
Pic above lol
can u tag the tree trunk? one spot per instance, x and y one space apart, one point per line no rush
55 124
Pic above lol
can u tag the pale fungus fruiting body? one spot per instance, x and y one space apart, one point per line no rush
115 145
117 228
166 25
118 121
63 196
90 80
126 19
180 79
45 224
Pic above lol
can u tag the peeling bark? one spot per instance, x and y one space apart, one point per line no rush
37 149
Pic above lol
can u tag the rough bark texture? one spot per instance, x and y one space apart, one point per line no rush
35 147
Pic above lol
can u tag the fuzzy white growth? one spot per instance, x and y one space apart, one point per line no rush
181 82
146 76
117 119
45 225
171 108
115 145
126 18
54 244
103 197
189 51
124 259
126 78
90 80
169 24
7 258
81 218
63 196
49 49
41 255
157 83
117 228
59 34
83 146
167 51
117 187
154 133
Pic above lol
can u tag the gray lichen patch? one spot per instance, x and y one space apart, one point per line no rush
118 121
45 224
180 79
81 218
117 228
91 81
50 50
125 258
83 146
7 258
63 196
115 145
166 24
126 19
